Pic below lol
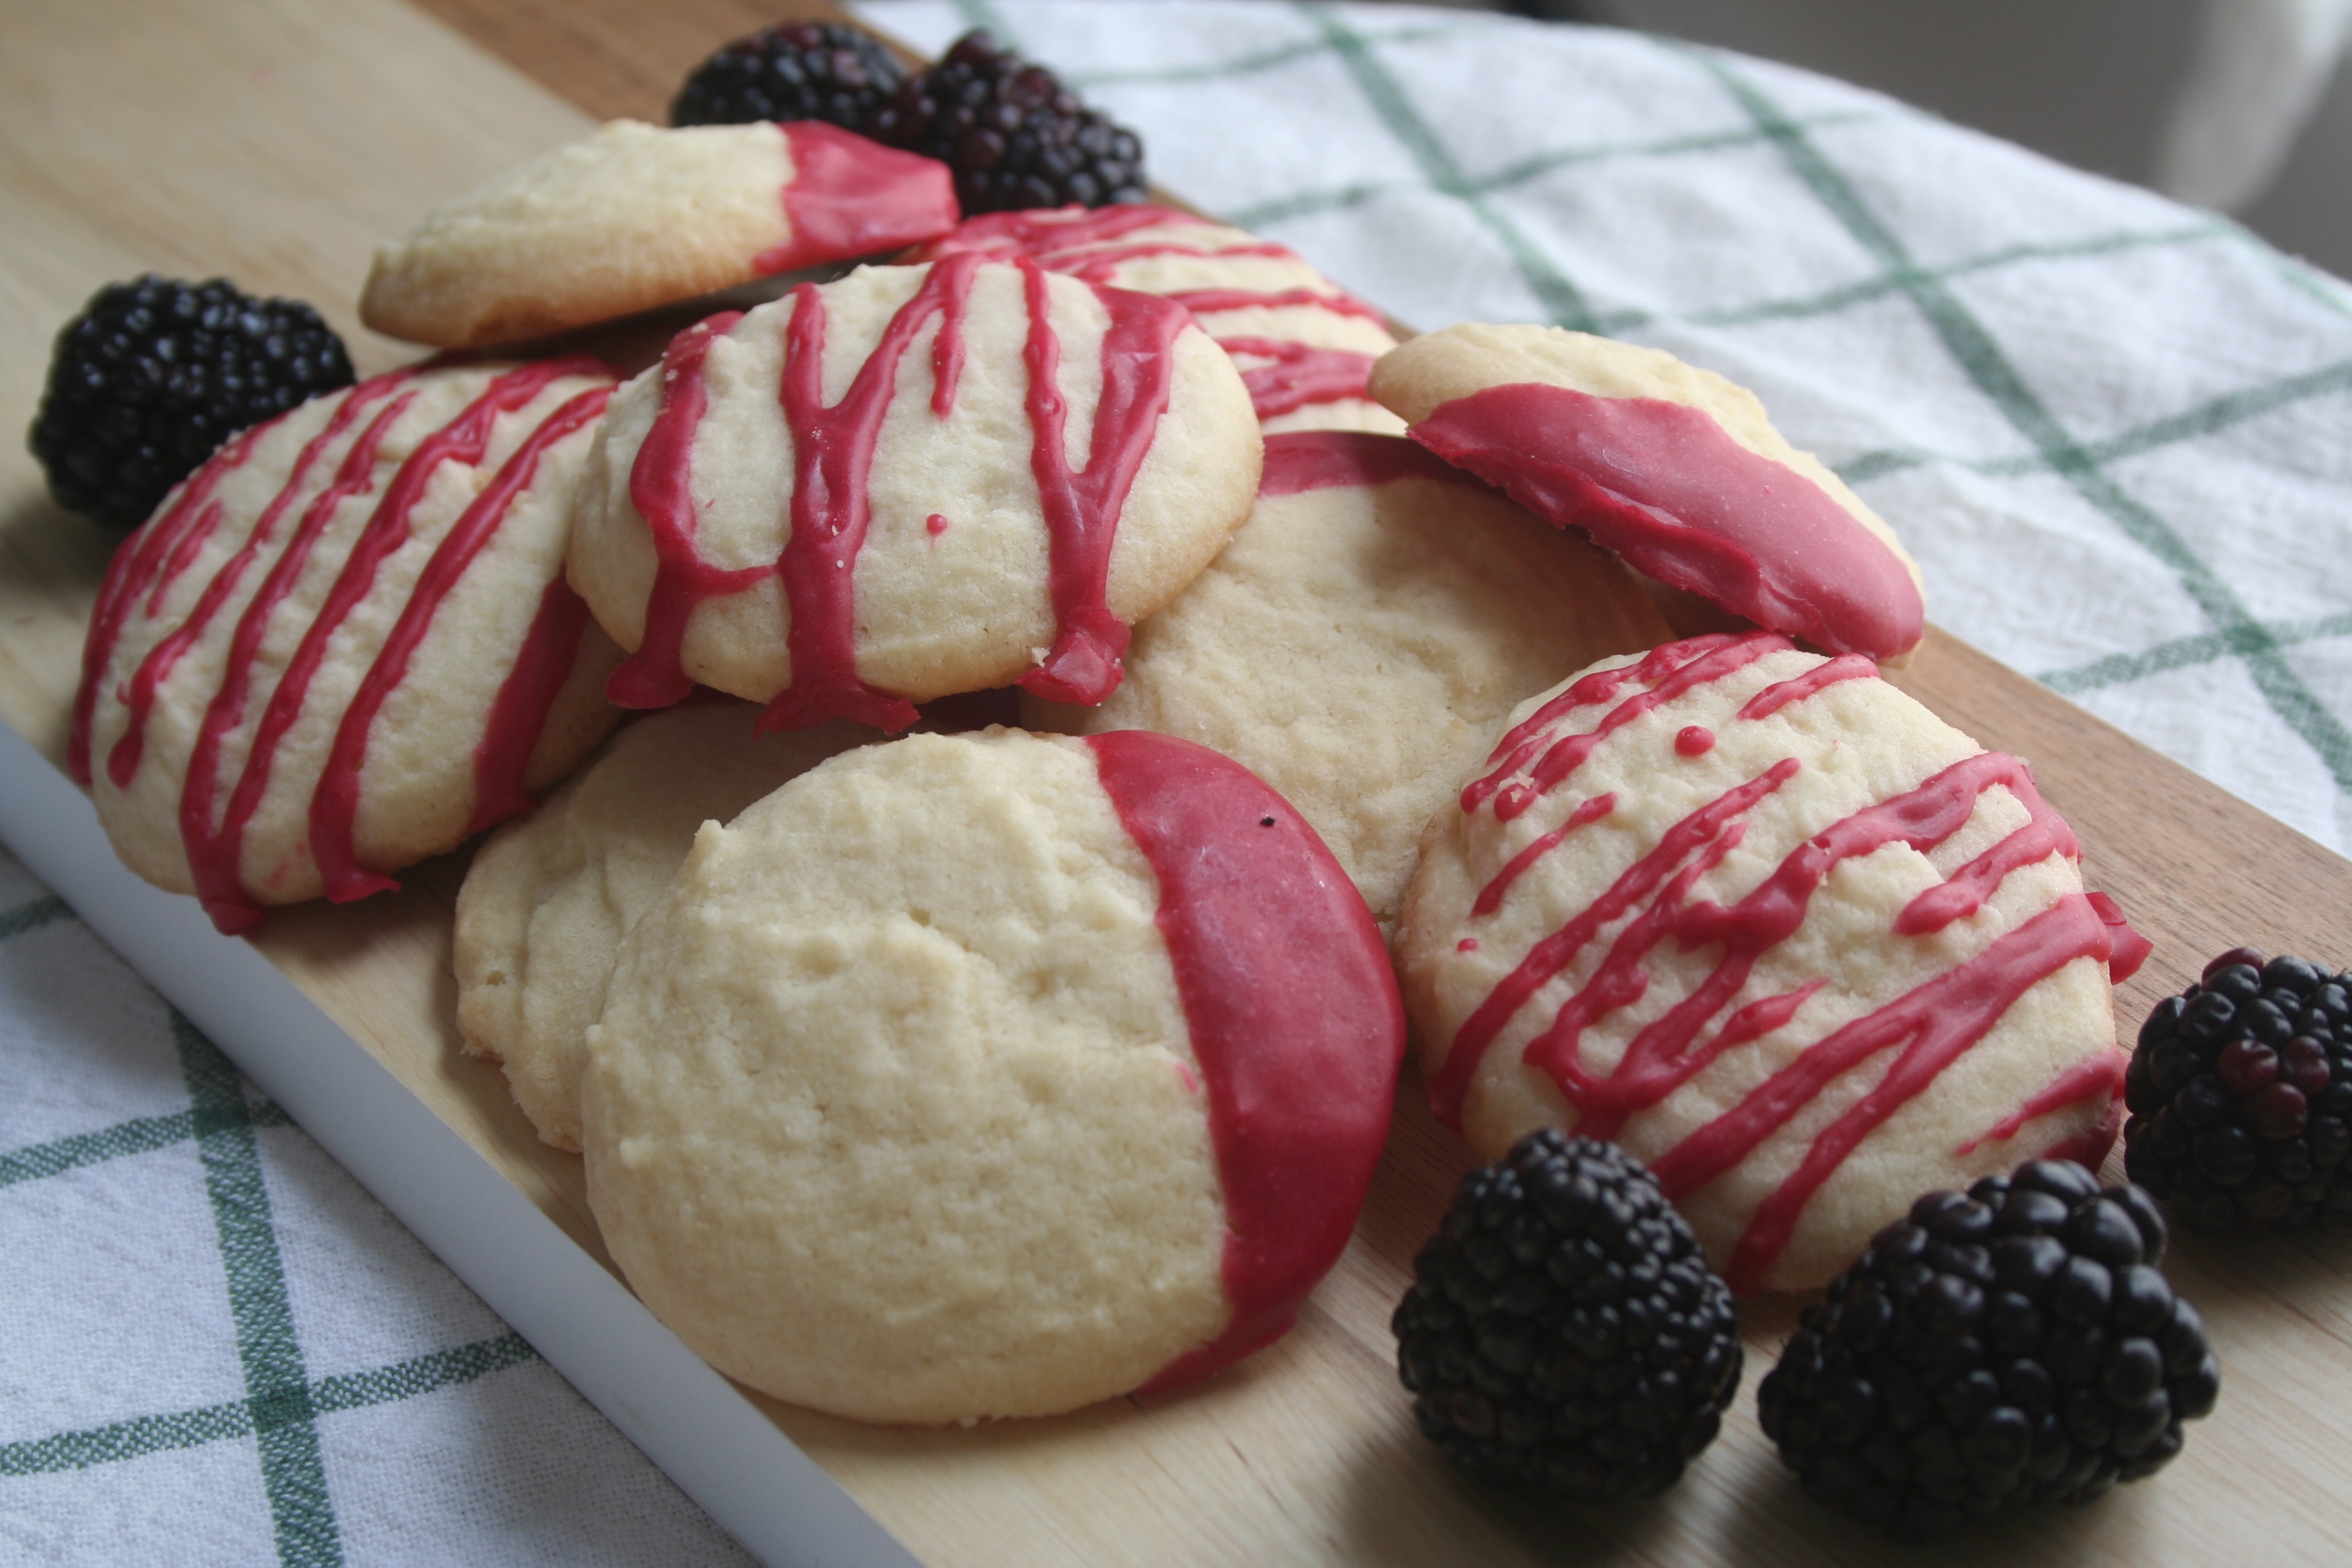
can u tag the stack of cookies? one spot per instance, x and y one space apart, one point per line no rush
928 1071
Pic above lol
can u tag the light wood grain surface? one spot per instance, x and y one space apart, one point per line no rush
276 141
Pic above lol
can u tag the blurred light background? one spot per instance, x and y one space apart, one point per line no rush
2243 106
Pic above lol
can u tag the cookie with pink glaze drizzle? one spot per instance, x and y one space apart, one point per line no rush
910 482
634 217
991 1075
1675 467
1802 948
1306 346
345 643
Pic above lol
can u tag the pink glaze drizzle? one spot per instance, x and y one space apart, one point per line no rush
1298 461
849 197
1490 897
1298 375
1294 1013
1085 245
215 835
1934 1024
2099 1078
1663 485
831 510
334 805
526 698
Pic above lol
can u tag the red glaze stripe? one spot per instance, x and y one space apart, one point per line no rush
519 712
832 511
1490 897
1934 1024
1299 374
1796 689
147 680
1082 510
137 561
334 803
1663 485
661 487
849 197
216 850
2093 1077
1300 460
2130 949
1294 1013
1209 301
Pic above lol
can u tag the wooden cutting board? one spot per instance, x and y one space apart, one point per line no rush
278 141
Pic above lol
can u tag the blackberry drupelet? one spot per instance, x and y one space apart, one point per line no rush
798 70
2014 1343
2240 1096
154 374
1563 1330
1015 136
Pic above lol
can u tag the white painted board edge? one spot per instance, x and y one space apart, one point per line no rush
691 1421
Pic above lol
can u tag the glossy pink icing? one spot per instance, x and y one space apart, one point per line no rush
849 197
1930 1028
1087 244
1301 461
1295 1019
831 508
1663 485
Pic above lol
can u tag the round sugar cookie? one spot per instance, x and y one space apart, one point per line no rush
1800 946
910 482
547 900
634 217
1305 345
1360 641
345 643
1675 467
991 1075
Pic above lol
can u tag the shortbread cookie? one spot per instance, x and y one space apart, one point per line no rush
1800 946
1360 640
995 1075
913 481
633 217
1306 346
547 900
1675 469
345 643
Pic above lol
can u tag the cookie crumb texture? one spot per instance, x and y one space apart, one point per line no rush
634 217
910 482
548 900
1839 957
345 643
896 1109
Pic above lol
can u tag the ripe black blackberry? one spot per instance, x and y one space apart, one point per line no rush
1015 136
2014 1343
2240 1096
154 374
798 70
1563 1330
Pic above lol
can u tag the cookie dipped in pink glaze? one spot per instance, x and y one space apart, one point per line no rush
1074 1060
1675 469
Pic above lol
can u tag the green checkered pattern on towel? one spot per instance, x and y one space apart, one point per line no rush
2112 429
184 1269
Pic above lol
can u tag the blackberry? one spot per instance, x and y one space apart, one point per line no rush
2014 1343
2240 1096
797 70
154 374
1563 1330
1015 136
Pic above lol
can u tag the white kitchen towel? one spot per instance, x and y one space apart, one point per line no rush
2115 433
220 1351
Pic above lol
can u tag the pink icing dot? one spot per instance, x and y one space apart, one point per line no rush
1696 741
